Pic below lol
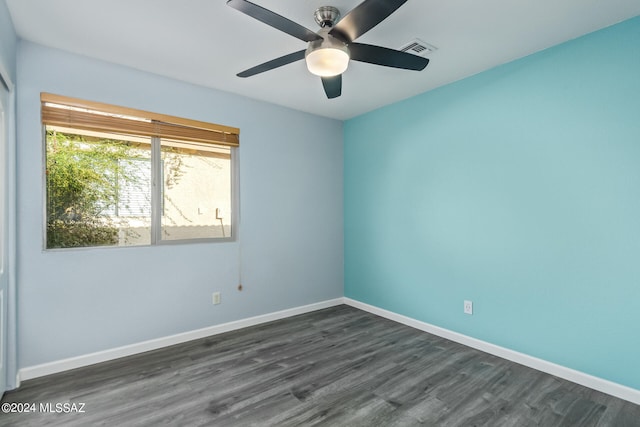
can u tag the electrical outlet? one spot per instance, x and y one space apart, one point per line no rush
468 307
216 298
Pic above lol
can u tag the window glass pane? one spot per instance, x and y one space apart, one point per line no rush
98 189
196 191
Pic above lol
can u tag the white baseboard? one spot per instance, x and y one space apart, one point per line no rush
129 350
599 384
605 386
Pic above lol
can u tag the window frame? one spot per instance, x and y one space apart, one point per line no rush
156 174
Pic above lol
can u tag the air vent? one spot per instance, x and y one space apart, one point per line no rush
418 47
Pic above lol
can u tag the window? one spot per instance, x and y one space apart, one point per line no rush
122 177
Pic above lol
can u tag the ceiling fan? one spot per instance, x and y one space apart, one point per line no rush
330 49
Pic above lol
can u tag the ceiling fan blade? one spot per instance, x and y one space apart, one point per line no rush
364 17
387 57
332 86
274 20
274 63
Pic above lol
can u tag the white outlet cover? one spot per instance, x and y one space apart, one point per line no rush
468 307
216 298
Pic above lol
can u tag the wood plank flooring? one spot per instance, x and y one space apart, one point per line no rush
335 367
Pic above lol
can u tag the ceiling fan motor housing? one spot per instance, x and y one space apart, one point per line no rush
326 16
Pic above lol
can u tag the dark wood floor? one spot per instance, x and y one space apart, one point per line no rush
334 367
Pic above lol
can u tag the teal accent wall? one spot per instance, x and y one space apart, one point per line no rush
519 189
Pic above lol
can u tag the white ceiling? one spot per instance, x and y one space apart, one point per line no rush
206 42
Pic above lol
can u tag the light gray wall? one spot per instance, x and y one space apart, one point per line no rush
8 46
8 41
75 302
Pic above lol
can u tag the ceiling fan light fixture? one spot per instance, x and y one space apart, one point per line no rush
327 57
327 61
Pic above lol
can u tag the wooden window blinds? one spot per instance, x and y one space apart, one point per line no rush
75 113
